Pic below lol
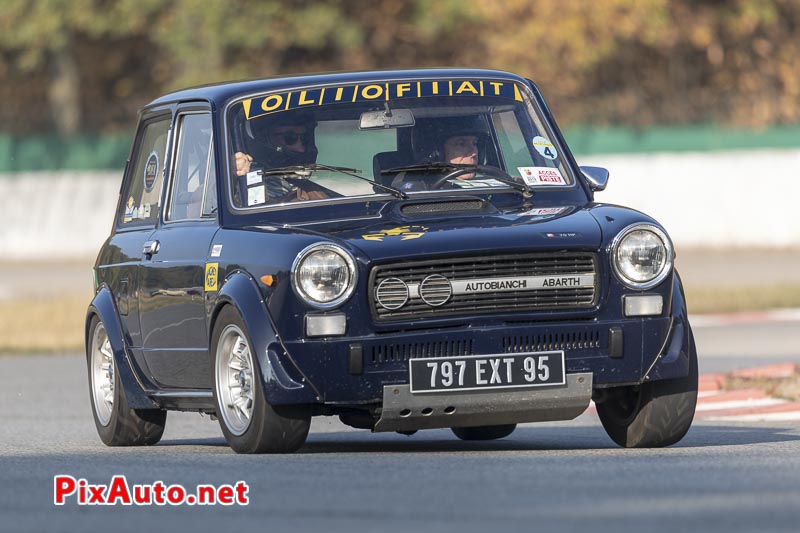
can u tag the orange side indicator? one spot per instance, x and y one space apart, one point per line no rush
268 280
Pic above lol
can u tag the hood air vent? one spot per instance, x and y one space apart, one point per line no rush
450 207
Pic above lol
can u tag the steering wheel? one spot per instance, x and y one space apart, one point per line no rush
488 171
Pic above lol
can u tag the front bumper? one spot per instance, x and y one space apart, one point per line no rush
353 370
382 359
403 411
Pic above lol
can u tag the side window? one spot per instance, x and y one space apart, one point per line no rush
193 193
512 142
142 193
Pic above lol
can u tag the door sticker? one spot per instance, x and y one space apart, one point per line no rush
212 272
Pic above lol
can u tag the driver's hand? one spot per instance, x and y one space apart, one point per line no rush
243 161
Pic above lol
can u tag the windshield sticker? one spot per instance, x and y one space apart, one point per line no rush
375 92
538 176
130 207
545 147
474 184
212 271
254 178
256 195
216 250
150 171
404 232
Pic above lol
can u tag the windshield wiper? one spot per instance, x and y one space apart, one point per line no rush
306 170
422 167
493 172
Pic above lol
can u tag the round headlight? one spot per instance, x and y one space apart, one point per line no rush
641 256
324 275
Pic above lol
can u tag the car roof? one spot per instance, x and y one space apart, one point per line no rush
219 93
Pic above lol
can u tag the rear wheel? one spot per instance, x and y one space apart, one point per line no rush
249 423
117 424
484 432
654 414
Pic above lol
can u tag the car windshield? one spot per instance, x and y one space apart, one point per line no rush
401 137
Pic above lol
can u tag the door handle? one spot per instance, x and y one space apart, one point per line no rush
151 247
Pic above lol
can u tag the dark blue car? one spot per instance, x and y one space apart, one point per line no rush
405 250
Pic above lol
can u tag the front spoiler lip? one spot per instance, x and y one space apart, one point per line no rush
403 411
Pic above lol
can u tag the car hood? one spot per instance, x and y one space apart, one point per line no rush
391 235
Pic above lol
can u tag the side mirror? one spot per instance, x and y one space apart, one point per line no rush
596 176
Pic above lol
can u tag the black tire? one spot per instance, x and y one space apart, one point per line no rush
269 429
484 432
120 425
654 414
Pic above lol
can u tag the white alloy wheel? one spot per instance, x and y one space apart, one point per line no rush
102 373
235 382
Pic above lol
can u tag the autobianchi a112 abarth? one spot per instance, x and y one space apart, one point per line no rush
406 250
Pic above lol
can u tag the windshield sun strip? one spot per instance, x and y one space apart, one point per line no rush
529 101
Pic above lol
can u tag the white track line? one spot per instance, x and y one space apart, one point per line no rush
747 317
738 404
765 417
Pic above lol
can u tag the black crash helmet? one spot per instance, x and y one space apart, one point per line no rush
274 155
430 135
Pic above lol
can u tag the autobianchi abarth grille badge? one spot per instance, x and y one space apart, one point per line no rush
436 290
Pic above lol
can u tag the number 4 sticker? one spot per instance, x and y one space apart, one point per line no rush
545 147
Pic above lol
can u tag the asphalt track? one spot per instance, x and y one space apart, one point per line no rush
548 477
724 476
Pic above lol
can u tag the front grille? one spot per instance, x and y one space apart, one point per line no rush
576 342
385 353
432 297
570 340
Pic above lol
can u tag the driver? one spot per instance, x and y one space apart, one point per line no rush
282 140
454 140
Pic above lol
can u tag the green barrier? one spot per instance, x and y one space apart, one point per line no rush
45 152
109 151
585 140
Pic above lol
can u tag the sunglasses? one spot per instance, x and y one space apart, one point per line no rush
290 137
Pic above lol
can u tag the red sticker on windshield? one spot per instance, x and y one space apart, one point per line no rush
534 176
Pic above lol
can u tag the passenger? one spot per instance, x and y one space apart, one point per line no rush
454 140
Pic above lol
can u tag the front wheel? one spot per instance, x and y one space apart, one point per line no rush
654 414
484 432
117 424
249 423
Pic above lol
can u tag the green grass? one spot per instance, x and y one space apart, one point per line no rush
52 325
733 299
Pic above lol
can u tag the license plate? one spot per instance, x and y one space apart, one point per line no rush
482 372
